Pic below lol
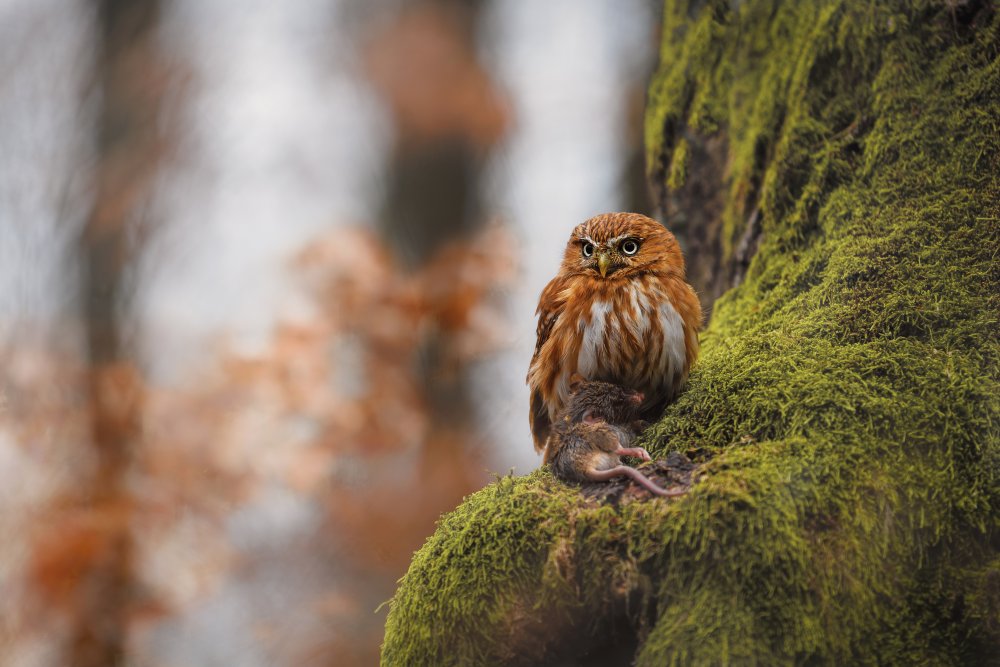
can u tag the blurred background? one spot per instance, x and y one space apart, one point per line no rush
268 273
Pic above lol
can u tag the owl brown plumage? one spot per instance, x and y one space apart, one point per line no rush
619 311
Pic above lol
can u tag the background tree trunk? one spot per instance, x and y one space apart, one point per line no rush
840 163
433 189
130 82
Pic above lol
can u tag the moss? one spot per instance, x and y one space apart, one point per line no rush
846 406
511 565
678 165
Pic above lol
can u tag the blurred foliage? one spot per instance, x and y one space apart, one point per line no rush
292 480
129 530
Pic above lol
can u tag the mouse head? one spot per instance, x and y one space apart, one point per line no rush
592 400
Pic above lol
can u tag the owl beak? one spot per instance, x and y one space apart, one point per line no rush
603 263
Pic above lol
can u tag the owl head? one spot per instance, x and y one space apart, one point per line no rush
613 246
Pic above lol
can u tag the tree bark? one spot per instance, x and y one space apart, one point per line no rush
845 412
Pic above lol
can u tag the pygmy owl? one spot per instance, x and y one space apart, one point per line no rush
619 311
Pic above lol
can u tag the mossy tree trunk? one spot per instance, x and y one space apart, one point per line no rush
846 407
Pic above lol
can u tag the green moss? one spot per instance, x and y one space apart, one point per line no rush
847 402
678 165
513 563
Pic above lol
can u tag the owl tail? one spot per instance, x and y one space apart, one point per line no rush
539 420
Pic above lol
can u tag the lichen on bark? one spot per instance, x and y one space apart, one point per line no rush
846 407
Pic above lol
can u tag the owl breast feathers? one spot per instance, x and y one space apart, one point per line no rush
619 311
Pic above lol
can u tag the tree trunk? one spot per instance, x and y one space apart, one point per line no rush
131 82
845 412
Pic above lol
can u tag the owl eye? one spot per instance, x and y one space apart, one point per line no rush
588 249
630 247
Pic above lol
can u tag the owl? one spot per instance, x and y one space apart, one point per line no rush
618 311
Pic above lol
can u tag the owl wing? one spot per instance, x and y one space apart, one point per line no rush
550 306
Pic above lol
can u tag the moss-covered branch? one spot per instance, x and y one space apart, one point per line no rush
846 407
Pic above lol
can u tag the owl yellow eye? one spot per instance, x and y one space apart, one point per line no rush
588 249
630 247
